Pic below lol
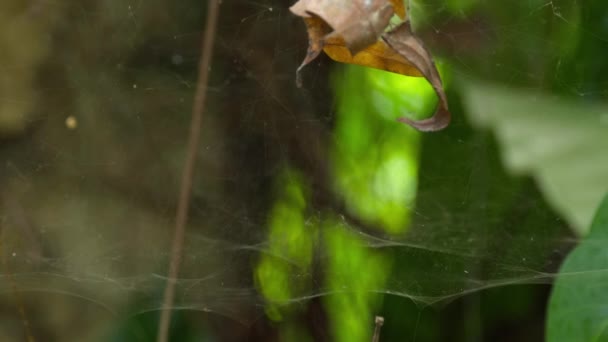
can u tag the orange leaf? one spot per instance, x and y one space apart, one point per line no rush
399 8
378 56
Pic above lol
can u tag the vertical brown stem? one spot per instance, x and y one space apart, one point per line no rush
379 323
183 205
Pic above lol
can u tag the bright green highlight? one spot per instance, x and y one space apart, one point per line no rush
290 247
394 95
375 157
375 172
354 271
375 167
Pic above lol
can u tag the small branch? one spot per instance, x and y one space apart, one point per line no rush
183 205
379 323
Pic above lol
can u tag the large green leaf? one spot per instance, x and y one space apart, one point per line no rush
561 143
578 308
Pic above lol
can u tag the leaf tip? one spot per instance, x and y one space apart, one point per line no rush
437 122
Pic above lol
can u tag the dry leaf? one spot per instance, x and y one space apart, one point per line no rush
378 55
403 41
349 31
359 22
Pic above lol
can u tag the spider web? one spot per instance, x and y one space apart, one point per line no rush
96 107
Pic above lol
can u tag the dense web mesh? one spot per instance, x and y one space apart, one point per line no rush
299 193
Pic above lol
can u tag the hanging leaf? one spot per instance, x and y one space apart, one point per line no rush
353 32
403 41
359 22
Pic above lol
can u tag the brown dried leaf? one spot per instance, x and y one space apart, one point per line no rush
346 38
378 55
349 31
359 22
403 41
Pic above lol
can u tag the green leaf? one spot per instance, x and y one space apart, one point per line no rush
561 143
578 307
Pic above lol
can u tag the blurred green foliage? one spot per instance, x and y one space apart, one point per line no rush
300 193
375 166
375 162
561 142
352 275
290 247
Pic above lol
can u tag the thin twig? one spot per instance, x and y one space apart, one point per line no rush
188 173
379 323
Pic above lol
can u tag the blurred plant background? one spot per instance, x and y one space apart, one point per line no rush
313 210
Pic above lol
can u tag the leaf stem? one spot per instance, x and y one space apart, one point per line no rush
183 205
379 323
